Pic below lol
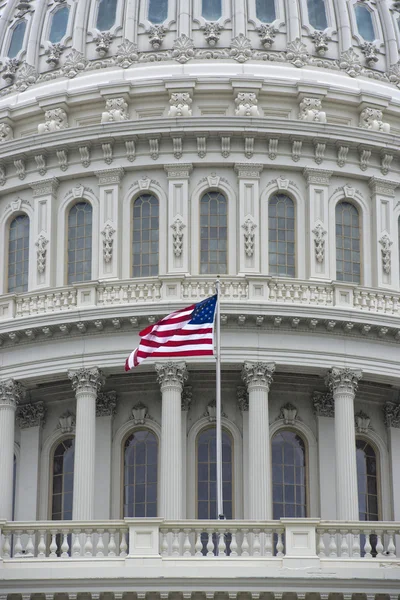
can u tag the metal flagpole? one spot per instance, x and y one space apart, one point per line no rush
220 503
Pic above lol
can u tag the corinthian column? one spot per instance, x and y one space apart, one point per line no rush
11 393
171 377
343 384
258 378
86 384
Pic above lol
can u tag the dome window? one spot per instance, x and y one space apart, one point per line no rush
18 255
317 14
281 232
212 10
106 15
17 39
158 11
59 25
265 10
365 25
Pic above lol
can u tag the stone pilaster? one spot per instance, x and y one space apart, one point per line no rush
249 175
110 222
343 383
86 384
44 245
317 251
178 217
171 377
392 421
258 378
11 393
324 410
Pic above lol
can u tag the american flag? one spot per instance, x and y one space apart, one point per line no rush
186 332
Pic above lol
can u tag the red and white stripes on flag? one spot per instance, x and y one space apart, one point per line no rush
186 332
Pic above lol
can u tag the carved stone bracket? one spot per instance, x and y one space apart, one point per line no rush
31 415
323 403
372 118
106 404
6 132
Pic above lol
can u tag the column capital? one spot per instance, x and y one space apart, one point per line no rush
187 397
392 414
343 380
323 403
382 186
110 176
258 374
11 393
31 415
87 380
106 404
171 374
242 396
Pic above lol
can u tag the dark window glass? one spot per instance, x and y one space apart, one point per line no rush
281 243
211 9
140 474
59 25
348 257
145 236
317 14
265 10
63 480
106 15
158 11
17 39
289 490
18 254
80 243
365 24
207 474
213 234
367 481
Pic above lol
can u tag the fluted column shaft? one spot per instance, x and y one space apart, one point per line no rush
11 393
86 384
343 385
171 377
258 378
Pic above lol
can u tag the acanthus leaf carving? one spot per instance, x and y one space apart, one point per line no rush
41 252
241 49
249 236
108 242
6 132
370 52
323 403
180 103
386 253
319 242
103 42
350 62
139 413
56 119
178 226
246 105
212 32
31 415
106 404
156 36
267 33
310 110
320 39
54 52
116 110
126 54
392 414
66 422
75 63
362 422
183 49
297 54
371 118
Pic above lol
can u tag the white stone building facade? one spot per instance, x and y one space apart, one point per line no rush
147 146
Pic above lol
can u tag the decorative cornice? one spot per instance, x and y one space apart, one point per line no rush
343 381
323 403
242 396
392 414
258 374
106 404
317 176
178 170
87 380
171 374
31 415
248 170
45 187
110 176
187 398
384 187
11 393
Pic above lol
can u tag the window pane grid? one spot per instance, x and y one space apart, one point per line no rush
288 475
213 234
281 242
348 257
80 243
367 482
207 475
63 480
140 475
145 236
18 255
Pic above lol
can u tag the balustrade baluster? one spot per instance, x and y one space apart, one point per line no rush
112 546
7 545
100 543
268 543
53 544
164 542
234 545
367 545
198 547
356 550
65 545
30 548
76 544
18 544
279 544
123 547
332 543
245 543
391 548
379 545
42 545
187 546
256 543
88 548
175 542
210 543
344 546
321 543
221 543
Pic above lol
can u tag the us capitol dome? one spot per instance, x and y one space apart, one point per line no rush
146 148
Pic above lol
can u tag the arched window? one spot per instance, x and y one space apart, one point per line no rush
18 254
17 39
265 10
211 9
317 14
140 474
62 488
59 24
367 479
213 234
348 257
281 243
158 11
289 489
106 15
80 243
207 474
365 24
145 236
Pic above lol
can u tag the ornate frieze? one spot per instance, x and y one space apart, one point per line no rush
392 414
177 236
180 105
86 380
11 393
249 228
246 105
258 374
187 398
323 403
386 252
41 252
171 374
31 415
116 110
106 404
45 187
108 242
319 241
343 380
56 119
311 110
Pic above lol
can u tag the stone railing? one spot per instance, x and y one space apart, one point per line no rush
254 291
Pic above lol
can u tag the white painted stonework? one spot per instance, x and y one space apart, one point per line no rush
176 110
